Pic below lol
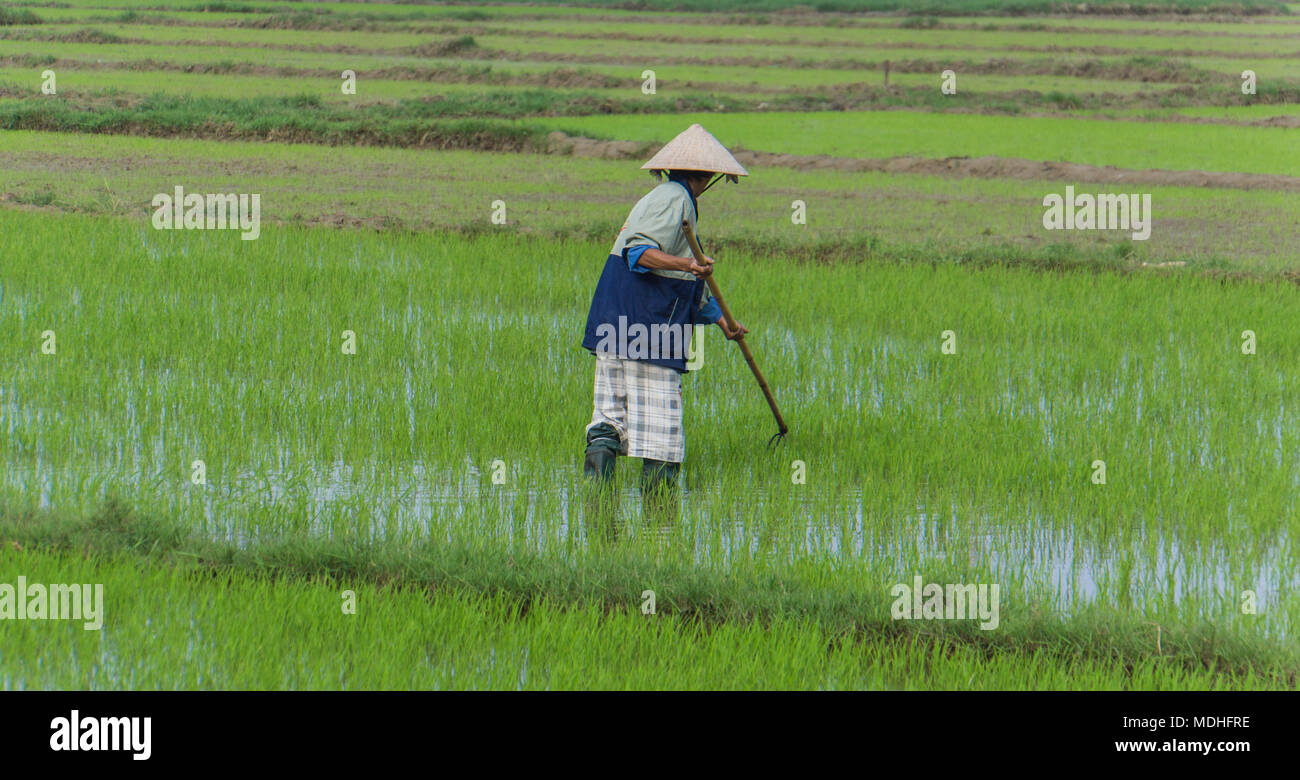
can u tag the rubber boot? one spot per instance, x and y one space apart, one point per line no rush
598 468
659 499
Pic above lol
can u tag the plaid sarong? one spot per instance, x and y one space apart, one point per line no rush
644 403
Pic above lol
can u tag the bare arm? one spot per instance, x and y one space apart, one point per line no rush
655 258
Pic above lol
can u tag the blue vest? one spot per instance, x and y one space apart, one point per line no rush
643 316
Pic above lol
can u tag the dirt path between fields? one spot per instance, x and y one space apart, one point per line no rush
564 75
1233 26
477 53
958 167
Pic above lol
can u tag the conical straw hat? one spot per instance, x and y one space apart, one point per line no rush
695 149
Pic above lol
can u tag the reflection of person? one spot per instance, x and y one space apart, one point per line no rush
652 284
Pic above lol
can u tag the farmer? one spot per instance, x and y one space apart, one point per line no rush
651 295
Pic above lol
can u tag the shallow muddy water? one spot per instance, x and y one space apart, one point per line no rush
1037 558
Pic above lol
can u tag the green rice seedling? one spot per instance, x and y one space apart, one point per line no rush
451 643
978 464
1087 141
170 626
925 218
230 434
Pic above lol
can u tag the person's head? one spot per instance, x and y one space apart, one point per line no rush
695 181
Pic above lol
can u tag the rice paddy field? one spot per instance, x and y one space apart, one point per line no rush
380 400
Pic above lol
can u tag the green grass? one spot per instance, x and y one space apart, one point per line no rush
364 9
910 218
9 17
373 471
380 17
203 36
845 43
1236 113
887 45
941 6
992 446
434 616
906 133
847 30
444 123
764 64
228 351
173 629
723 40
601 7
145 83
618 86
713 61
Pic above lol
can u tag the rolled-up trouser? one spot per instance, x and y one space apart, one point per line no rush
643 403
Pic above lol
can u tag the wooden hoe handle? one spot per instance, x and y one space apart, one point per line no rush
731 323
